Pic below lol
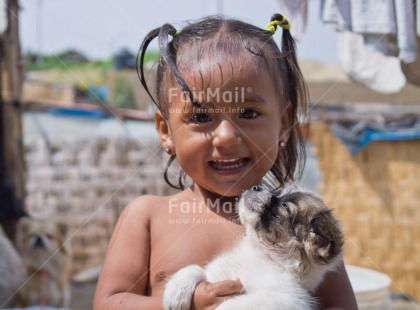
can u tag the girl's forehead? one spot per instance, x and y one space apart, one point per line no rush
224 57
221 73
231 64
230 82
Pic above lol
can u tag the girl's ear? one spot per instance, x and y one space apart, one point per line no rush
286 123
164 132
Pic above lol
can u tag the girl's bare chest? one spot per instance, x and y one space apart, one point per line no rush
187 241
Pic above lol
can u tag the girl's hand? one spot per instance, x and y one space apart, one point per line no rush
209 295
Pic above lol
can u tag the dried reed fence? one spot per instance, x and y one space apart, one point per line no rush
376 194
86 183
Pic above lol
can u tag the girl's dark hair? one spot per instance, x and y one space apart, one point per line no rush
214 40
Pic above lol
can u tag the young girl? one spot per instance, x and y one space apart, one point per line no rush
228 101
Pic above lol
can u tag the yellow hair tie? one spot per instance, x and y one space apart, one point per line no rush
283 23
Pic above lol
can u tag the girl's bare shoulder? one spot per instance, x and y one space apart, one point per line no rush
150 205
139 213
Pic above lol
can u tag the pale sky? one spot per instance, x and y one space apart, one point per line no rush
99 28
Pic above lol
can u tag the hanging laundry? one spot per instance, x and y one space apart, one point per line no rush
412 69
373 16
369 67
381 22
381 37
337 14
406 30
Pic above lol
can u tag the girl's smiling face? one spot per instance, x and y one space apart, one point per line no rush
232 140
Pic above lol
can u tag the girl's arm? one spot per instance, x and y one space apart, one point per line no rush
336 292
124 275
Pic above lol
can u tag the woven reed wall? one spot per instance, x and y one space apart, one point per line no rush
376 194
87 183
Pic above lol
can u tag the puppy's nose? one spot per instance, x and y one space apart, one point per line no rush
274 201
256 188
39 242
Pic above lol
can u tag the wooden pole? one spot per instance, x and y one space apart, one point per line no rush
12 165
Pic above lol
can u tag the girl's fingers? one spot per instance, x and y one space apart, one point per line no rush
227 287
209 295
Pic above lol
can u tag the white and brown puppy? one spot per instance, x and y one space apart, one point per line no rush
46 256
291 241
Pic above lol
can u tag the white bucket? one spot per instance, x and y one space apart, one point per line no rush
370 288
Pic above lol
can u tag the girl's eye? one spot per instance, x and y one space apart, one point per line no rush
249 114
199 118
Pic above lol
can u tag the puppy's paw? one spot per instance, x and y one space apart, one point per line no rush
180 288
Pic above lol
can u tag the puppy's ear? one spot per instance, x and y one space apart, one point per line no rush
327 238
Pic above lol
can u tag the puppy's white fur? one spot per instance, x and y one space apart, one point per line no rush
271 279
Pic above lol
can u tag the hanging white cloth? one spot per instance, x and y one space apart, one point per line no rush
369 67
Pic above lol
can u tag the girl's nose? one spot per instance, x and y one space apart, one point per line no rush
226 135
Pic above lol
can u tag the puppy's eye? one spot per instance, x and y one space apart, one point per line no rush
285 206
49 236
312 226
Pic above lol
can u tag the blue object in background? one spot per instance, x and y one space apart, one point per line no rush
97 93
79 112
357 135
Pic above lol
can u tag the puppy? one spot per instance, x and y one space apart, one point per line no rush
291 240
47 260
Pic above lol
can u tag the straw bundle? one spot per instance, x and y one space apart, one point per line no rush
376 194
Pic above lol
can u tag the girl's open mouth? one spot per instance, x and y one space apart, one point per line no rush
229 164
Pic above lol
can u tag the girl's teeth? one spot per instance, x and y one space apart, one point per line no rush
224 164
226 160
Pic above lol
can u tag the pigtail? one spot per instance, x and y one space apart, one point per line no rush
140 61
288 49
297 94
167 56
162 34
